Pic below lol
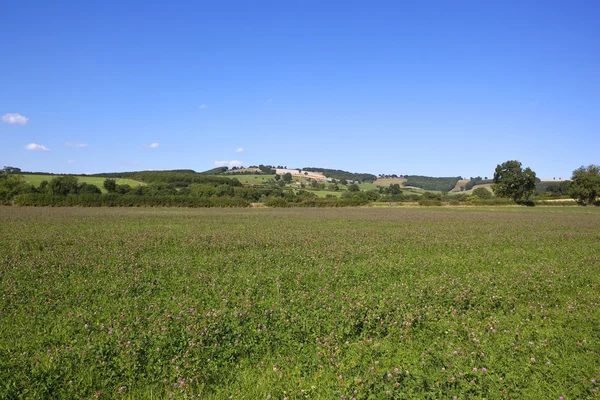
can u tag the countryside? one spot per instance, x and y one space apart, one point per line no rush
300 200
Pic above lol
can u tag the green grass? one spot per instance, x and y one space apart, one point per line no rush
300 303
251 179
324 193
368 186
35 180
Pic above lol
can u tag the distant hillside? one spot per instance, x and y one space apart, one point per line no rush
443 184
389 181
339 174
37 179
181 177
214 171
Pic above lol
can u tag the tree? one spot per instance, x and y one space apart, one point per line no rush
482 193
512 181
63 185
287 177
10 186
394 188
110 185
585 184
353 188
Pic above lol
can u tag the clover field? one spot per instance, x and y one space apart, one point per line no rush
365 303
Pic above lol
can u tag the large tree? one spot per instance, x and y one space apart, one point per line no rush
512 181
585 184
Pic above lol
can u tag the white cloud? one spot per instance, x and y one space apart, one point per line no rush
230 164
151 146
202 106
70 161
36 147
239 150
15 119
76 144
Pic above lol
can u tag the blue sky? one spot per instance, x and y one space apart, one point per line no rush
440 88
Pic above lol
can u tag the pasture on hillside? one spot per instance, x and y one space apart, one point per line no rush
361 303
36 179
251 179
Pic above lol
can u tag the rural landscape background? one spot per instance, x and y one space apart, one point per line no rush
300 200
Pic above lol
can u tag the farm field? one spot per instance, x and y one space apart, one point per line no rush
36 179
389 181
251 179
361 303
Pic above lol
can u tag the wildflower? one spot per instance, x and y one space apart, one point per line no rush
532 359
121 389
484 369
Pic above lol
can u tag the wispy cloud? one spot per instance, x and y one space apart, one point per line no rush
151 146
15 119
70 161
36 147
232 163
202 106
76 144
239 150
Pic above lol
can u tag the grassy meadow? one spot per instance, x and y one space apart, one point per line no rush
364 303
251 179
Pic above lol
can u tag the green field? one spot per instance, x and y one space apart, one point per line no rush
251 179
324 193
36 179
362 303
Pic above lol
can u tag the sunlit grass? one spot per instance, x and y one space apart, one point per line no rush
312 303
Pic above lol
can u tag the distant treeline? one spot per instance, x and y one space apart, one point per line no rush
213 192
339 174
430 183
553 189
214 171
180 178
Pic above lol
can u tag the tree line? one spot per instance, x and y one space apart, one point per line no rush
343 175
511 183
443 184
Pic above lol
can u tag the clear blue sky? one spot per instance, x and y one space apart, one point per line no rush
440 88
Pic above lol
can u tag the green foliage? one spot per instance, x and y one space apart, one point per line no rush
431 183
511 181
477 181
353 187
110 185
394 188
63 185
10 186
267 169
552 189
482 193
585 184
187 176
287 177
214 171
343 175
